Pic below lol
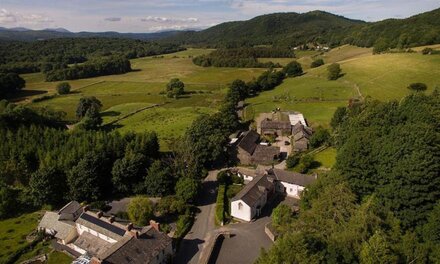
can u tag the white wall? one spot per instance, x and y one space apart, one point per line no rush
292 190
245 213
82 229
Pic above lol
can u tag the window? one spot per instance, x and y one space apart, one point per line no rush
240 205
291 189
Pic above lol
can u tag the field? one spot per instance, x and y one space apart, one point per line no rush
135 101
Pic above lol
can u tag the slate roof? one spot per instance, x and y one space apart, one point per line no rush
269 124
254 190
300 131
292 177
249 141
111 230
301 144
265 154
62 228
94 245
70 208
143 249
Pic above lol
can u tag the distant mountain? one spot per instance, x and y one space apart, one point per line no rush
294 29
22 34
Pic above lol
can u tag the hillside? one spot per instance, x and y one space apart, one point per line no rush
295 29
280 28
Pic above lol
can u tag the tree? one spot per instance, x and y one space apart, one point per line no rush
92 119
316 63
86 103
140 210
334 71
87 180
159 181
377 250
418 87
187 188
63 88
293 69
338 117
175 88
10 83
128 172
305 162
281 216
8 201
431 230
48 186
319 137
292 160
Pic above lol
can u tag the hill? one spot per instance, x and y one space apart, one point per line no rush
295 29
24 34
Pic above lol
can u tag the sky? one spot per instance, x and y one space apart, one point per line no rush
159 15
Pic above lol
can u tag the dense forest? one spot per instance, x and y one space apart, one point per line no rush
27 57
381 203
243 57
292 29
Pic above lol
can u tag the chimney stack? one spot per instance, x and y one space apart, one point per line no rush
129 226
111 219
155 225
86 208
99 214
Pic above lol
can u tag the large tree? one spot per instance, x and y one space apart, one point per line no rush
87 103
159 181
10 83
128 172
48 186
140 210
293 69
187 188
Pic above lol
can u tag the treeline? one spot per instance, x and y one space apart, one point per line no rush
381 202
243 57
10 83
27 57
97 67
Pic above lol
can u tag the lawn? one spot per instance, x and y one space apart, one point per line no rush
327 157
13 233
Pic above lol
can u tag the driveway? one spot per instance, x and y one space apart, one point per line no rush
193 242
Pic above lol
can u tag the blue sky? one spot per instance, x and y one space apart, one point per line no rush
157 15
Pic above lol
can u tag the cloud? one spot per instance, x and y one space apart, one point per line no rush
113 19
169 20
8 17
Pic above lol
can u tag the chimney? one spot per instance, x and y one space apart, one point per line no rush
155 225
86 208
111 219
129 226
99 214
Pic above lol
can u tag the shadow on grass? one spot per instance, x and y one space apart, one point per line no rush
111 113
21 95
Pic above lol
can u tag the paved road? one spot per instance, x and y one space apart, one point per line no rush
193 242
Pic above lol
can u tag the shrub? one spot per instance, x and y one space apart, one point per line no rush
184 223
43 98
320 137
334 71
237 179
427 51
292 160
222 177
140 210
305 162
281 215
316 63
418 87
63 88
220 205
293 69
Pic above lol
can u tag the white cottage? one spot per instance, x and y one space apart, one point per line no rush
289 182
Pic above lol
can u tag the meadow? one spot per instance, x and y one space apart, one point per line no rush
383 77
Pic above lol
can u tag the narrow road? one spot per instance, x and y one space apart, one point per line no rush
193 242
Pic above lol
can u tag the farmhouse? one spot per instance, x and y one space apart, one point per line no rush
277 128
249 202
249 151
104 240
301 136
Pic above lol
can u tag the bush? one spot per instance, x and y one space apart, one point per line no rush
43 98
334 71
237 179
223 177
292 160
220 205
63 88
418 87
316 63
281 216
320 137
305 162
184 223
293 69
140 210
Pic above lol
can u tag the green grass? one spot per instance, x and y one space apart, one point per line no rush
56 257
327 157
13 233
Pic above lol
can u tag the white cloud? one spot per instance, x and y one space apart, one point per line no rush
169 20
7 17
113 19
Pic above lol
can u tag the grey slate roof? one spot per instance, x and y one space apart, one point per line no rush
292 177
94 245
249 141
254 190
270 124
143 249
265 154
62 228
70 208
101 226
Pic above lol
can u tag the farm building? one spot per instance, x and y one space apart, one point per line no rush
249 151
104 240
301 136
249 202
296 118
277 128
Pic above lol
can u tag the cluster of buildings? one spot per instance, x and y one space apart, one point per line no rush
261 185
95 238
251 150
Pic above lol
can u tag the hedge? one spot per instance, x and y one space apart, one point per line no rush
220 205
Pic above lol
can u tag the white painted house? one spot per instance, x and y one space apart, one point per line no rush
250 201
